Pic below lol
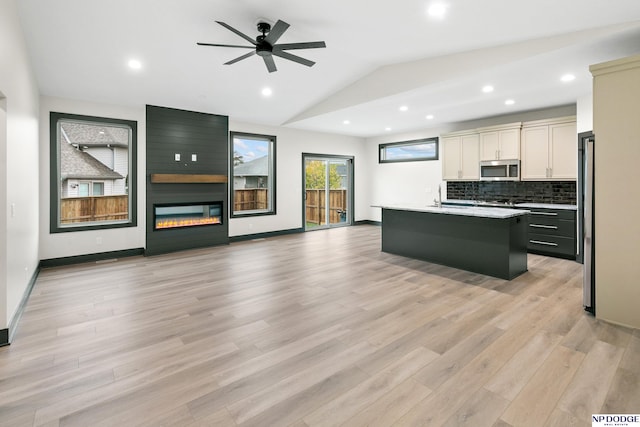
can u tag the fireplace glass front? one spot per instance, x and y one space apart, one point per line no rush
187 215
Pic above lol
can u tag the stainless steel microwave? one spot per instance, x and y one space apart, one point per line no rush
500 170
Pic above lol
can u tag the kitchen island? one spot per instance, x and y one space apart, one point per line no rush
491 241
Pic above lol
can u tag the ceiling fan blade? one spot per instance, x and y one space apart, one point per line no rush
276 32
244 36
271 65
240 58
293 58
225 45
304 45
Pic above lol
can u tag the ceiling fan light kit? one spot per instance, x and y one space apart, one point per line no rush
265 45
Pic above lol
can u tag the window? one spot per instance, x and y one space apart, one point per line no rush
90 188
253 162
409 151
93 172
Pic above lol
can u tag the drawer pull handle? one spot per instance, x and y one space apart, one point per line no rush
551 227
544 213
538 242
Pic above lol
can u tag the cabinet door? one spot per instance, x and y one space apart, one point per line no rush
509 144
470 159
451 155
535 153
489 145
563 155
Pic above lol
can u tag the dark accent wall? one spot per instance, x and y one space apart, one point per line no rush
171 131
555 192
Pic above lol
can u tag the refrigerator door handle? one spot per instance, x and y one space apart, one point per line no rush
588 222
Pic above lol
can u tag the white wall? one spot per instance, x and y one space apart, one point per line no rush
408 183
4 321
18 163
89 242
290 144
584 113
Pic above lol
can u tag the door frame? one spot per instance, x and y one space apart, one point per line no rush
350 188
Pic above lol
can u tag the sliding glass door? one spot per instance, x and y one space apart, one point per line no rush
328 191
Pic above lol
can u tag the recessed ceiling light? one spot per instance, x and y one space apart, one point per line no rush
509 102
429 117
387 129
346 122
404 108
134 64
437 10
568 78
487 89
267 91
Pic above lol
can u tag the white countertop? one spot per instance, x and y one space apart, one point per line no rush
547 206
498 213
517 205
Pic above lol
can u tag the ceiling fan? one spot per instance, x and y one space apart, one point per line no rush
265 45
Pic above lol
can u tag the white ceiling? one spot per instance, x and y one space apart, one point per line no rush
380 55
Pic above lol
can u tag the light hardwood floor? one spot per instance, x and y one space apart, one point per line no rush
312 329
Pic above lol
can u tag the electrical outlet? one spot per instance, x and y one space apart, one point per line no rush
194 157
176 157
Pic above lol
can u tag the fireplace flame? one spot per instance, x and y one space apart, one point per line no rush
189 222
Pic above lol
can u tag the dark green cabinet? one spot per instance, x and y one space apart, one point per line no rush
552 232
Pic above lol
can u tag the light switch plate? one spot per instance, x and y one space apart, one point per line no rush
194 157
176 157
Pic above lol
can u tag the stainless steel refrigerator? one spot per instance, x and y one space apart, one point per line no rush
586 223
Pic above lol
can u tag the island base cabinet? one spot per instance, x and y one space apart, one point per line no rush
490 246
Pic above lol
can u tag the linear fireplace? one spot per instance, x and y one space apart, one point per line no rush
180 215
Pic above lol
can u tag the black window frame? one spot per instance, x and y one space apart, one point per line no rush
435 140
54 174
273 167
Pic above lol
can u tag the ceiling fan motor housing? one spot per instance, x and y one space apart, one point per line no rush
263 48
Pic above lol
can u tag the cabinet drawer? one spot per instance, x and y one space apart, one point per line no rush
556 245
537 213
552 226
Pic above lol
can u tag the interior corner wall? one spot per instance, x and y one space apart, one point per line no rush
18 165
290 145
77 243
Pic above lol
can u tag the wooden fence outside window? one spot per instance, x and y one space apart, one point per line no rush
94 209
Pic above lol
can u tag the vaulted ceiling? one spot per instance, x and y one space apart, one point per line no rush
380 56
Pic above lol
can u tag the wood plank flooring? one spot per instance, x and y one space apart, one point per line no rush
313 329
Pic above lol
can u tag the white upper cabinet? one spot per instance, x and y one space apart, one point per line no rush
461 157
500 142
549 150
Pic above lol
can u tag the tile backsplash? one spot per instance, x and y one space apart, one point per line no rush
556 192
